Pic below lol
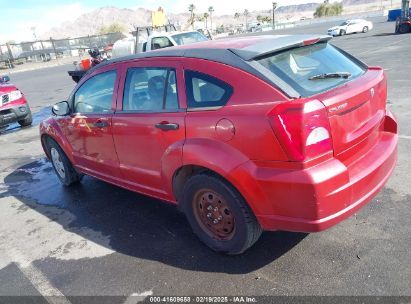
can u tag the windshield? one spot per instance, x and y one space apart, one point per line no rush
187 38
299 66
344 23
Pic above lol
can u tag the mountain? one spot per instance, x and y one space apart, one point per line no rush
90 23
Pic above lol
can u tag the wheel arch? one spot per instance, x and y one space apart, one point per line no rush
50 130
221 160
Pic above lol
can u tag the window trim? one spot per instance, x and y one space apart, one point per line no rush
168 69
73 96
211 105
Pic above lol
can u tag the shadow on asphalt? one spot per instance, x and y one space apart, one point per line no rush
37 118
385 34
136 225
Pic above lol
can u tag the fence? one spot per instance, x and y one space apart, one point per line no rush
12 54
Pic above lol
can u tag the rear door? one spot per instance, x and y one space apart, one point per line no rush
149 124
351 27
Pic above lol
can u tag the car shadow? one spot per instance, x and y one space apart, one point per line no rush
385 34
136 225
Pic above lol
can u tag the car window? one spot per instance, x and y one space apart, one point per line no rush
160 42
206 91
96 94
298 65
187 38
150 90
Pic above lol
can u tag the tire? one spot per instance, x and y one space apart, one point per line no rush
342 32
404 28
236 229
26 121
365 29
65 171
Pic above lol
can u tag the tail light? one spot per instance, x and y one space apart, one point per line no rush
302 128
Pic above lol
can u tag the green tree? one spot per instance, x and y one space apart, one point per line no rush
206 15
112 28
260 18
328 9
191 9
266 19
246 15
211 11
237 16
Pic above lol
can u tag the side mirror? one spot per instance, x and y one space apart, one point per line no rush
61 108
4 79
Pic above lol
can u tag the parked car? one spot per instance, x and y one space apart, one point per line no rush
13 105
244 135
351 26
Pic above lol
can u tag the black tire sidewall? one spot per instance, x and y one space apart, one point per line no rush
365 29
68 168
239 240
342 32
404 28
27 121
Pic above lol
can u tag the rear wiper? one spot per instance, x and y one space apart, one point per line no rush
331 75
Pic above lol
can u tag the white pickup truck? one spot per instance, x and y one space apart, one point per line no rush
147 39
157 40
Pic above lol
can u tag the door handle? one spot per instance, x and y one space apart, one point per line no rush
100 124
166 126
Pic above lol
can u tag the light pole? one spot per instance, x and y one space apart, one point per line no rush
274 7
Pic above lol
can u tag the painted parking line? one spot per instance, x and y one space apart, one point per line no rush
37 278
138 297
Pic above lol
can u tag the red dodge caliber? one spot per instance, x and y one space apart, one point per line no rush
245 135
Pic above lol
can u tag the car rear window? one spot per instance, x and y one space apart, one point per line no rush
296 66
206 91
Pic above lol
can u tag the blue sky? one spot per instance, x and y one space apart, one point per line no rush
20 16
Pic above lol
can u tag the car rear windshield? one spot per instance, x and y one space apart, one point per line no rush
187 38
302 67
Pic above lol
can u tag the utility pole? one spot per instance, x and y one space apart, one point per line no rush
274 7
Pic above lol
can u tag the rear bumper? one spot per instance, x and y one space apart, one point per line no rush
316 198
13 114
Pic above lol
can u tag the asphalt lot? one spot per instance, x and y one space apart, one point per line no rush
97 239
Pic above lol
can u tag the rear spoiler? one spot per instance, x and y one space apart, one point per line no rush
276 44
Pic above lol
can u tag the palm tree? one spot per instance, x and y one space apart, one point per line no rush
206 15
191 9
237 16
211 11
246 15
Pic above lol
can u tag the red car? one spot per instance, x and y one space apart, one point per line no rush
13 105
244 135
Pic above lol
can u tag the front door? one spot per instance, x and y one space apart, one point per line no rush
89 128
149 124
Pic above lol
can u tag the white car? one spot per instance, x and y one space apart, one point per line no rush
350 26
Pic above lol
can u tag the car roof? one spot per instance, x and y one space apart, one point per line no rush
238 52
247 48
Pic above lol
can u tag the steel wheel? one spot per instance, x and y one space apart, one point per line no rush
213 214
58 163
